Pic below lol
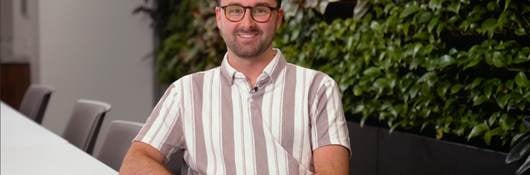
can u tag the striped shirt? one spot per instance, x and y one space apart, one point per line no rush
224 126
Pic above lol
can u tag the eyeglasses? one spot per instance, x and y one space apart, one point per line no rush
260 13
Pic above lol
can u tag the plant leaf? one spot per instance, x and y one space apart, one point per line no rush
446 60
523 168
410 9
433 23
371 72
489 134
506 122
503 100
456 88
489 25
519 150
477 130
521 80
479 99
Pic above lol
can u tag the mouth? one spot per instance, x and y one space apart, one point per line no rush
247 35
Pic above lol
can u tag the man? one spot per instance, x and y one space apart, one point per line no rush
255 114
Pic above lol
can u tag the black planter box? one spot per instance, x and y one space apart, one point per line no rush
377 152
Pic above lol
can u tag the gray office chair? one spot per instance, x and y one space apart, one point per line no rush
118 140
35 102
176 163
85 122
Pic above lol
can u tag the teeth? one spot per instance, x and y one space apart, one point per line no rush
247 35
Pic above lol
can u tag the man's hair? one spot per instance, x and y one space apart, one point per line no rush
278 2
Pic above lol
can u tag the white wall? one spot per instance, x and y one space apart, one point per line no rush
95 49
6 30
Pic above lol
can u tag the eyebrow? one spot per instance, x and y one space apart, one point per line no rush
264 4
257 4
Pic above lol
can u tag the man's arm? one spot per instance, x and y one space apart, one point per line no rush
331 159
143 159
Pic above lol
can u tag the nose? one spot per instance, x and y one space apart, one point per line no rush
247 20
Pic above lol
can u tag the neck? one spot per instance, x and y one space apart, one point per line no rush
251 67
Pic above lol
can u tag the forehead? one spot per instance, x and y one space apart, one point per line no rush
248 2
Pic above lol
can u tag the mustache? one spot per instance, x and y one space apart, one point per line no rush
251 29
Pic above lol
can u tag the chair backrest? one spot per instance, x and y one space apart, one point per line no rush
86 119
35 102
176 164
118 140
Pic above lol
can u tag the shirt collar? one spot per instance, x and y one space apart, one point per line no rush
271 71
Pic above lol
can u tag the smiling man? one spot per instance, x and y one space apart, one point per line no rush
254 114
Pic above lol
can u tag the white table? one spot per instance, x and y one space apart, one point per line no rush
29 148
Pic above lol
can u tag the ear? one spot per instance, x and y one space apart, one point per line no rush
218 16
279 19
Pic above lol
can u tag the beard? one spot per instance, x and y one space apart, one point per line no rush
248 50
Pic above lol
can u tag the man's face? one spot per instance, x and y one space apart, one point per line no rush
248 38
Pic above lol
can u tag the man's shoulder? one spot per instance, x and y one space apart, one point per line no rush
309 71
196 76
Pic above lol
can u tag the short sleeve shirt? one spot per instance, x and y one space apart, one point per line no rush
225 126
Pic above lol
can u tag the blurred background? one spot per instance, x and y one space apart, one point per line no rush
93 49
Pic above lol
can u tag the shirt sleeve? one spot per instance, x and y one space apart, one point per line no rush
163 128
329 124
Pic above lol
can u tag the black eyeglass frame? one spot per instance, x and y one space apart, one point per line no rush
251 14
